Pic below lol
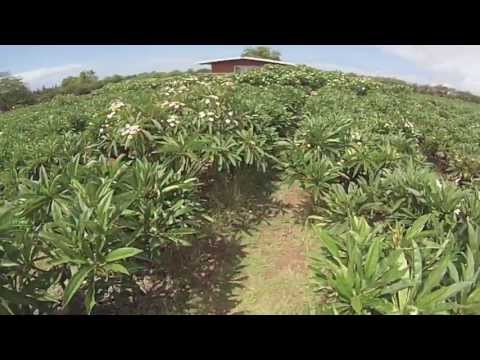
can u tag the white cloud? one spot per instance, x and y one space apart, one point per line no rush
447 64
51 75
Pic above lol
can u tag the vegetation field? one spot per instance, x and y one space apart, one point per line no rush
279 190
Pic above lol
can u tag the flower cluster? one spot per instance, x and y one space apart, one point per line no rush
210 115
212 99
173 121
131 130
175 105
356 136
116 105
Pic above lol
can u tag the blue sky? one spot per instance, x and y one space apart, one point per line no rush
46 65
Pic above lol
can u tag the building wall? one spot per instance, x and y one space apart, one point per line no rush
229 66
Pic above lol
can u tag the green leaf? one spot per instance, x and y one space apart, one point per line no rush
343 285
404 294
439 296
417 263
147 135
8 263
356 303
56 212
383 306
435 276
117 268
329 242
470 269
474 297
60 242
417 227
372 258
122 253
4 309
75 283
452 270
170 188
66 260
396 206
105 202
472 237
399 285
90 298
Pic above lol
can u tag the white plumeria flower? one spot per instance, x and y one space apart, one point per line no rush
111 115
131 130
228 121
201 114
207 101
210 119
457 212
230 113
117 105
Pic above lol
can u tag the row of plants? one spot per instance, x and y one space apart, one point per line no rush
398 235
98 189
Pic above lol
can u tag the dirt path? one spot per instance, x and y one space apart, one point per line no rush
262 270
275 271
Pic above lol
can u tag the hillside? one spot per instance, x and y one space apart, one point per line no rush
178 179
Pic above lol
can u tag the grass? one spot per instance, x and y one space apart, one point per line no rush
255 268
275 270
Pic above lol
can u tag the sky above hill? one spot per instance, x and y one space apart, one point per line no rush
454 66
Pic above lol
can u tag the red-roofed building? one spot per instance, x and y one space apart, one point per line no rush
240 64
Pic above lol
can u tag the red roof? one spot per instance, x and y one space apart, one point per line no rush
269 61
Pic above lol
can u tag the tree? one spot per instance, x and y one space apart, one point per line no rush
14 92
263 52
84 83
112 79
46 94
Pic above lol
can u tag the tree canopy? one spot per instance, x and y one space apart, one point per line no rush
81 84
263 52
13 92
